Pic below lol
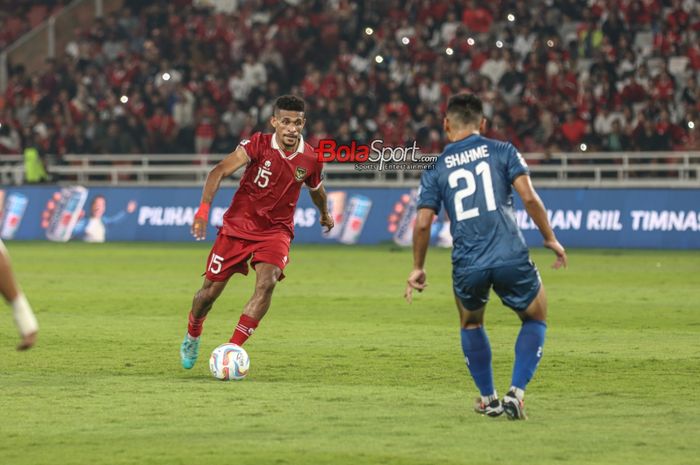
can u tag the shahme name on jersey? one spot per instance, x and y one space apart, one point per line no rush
467 156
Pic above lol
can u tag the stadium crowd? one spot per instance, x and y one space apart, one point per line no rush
561 75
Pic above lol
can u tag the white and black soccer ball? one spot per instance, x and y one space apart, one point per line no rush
229 362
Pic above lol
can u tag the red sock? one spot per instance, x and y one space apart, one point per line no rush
194 325
244 329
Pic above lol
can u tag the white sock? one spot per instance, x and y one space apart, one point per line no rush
488 399
24 316
519 393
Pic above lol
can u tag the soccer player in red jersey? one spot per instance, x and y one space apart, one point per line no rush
259 224
21 311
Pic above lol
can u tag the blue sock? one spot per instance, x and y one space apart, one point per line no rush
528 352
477 353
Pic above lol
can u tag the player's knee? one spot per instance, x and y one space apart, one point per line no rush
473 322
539 315
266 285
472 319
537 310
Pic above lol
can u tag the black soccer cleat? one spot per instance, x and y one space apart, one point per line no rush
514 407
492 409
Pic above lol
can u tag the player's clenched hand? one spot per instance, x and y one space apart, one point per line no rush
199 228
327 221
559 251
416 280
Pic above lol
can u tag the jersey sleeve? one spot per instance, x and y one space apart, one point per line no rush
515 163
252 146
315 180
429 191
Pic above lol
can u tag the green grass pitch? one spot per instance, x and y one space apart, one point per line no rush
343 371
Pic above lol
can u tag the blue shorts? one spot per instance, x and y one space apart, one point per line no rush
517 285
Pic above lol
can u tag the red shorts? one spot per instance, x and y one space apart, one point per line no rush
230 255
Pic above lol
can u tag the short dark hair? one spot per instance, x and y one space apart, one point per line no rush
465 108
289 103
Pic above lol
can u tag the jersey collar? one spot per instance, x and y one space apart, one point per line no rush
300 147
462 140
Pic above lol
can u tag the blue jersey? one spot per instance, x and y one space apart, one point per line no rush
473 179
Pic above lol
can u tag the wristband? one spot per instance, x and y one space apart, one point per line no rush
203 211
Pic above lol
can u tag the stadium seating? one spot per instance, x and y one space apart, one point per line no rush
20 16
170 77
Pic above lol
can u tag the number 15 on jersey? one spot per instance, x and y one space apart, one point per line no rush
262 179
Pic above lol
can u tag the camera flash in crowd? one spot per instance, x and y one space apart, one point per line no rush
449 51
499 44
511 17
166 76
369 31
471 41
691 125
584 147
550 43
124 99
379 59
405 40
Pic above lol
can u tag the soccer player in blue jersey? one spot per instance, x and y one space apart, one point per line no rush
473 178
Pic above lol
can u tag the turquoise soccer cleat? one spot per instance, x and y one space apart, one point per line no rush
189 351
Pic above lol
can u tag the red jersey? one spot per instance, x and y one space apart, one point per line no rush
265 202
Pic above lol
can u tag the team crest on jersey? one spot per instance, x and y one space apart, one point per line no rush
300 173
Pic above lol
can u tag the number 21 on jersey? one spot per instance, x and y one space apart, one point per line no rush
484 172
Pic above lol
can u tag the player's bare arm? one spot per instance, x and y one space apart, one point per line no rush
224 168
535 208
421 240
320 199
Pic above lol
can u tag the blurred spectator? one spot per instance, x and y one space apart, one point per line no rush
223 142
117 141
573 130
161 129
616 140
604 120
234 118
477 18
34 170
10 141
494 67
649 139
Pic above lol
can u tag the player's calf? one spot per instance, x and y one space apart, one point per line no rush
205 297
528 353
267 276
201 304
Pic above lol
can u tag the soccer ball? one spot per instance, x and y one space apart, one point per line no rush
229 362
